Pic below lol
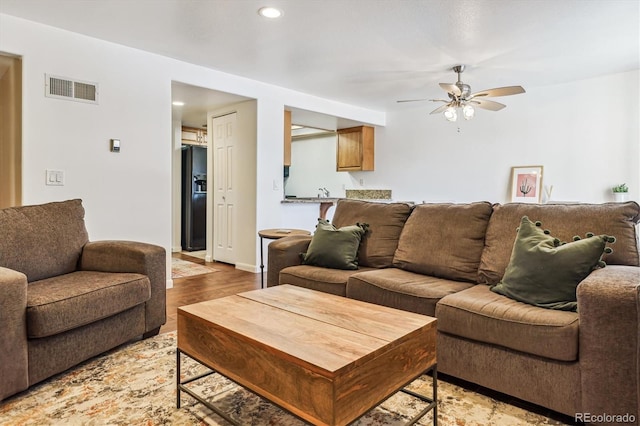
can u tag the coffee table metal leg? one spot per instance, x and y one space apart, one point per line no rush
433 402
181 387
178 378
435 395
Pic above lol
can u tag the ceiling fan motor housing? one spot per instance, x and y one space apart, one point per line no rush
465 89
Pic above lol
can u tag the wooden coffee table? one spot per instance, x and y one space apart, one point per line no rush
326 359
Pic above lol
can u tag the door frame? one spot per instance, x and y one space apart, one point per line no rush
11 131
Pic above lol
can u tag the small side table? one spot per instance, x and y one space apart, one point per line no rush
275 234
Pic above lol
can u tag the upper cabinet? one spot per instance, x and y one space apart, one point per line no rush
194 136
287 138
355 150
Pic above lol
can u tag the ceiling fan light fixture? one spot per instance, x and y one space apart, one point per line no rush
468 112
450 114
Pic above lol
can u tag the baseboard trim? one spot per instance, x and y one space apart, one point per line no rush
248 267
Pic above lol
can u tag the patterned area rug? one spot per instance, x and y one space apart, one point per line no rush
136 385
183 268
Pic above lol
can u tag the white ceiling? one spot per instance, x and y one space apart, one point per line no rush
369 53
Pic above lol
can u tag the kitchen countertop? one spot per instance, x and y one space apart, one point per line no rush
316 200
310 200
376 195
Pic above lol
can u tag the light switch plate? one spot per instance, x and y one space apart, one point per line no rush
54 178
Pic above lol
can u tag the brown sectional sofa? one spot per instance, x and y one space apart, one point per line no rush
441 259
64 299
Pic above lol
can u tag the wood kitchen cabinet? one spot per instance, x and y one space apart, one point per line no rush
287 138
194 136
355 151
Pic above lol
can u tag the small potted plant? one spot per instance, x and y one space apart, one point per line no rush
621 192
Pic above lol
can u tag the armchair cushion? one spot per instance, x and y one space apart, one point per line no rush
62 303
42 241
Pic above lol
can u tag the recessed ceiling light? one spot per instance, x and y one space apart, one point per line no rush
270 12
177 103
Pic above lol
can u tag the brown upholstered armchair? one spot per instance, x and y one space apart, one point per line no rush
64 299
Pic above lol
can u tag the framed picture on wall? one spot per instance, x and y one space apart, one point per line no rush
526 184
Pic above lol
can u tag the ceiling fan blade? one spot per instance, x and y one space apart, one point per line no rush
486 104
439 109
413 100
498 91
451 88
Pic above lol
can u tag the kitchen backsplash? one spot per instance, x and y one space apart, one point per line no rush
368 194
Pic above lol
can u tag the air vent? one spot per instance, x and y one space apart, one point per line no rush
72 90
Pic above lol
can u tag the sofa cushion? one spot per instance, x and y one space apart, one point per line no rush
62 303
444 240
545 273
566 220
42 241
385 222
482 315
333 247
332 281
401 289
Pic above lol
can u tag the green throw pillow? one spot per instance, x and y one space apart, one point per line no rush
545 272
334 248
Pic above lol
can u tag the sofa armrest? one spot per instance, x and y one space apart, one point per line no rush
285 252
136 257
14 367
608 304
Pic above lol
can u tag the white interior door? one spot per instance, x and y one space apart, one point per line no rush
225 192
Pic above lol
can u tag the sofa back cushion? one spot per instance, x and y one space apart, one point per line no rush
564 221
44 240
444 240
385 222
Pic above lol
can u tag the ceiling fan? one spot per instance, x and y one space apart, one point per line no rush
460 96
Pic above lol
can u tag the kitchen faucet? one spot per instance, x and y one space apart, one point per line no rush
325 192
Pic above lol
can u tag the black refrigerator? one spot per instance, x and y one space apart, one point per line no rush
194 197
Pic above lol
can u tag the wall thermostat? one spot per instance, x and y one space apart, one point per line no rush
115 145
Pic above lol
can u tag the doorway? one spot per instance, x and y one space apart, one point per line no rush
10 130
196 109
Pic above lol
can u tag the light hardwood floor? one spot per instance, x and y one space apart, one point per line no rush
226 281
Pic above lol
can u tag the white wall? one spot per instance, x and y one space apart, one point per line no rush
176 186
313 166
128 195
585 134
